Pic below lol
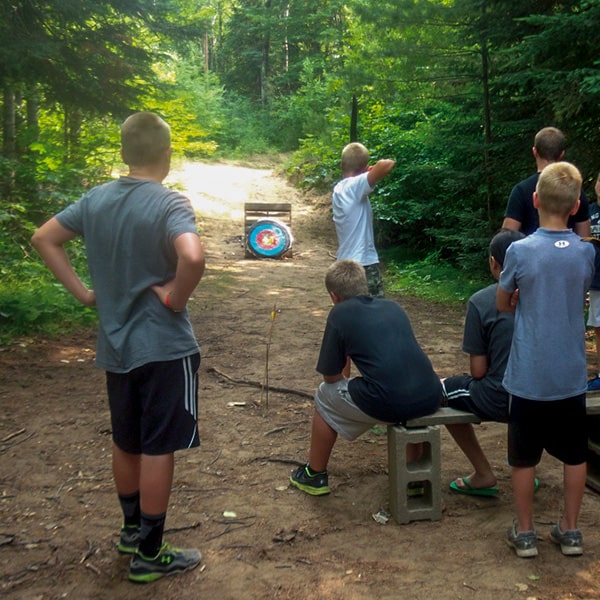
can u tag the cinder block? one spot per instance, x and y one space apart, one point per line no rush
427 470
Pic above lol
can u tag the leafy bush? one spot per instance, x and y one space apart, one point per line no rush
32 301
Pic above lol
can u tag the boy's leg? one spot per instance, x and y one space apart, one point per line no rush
126 471
375 281
414 452
565 533
126 475
523 490
156 478
464 436
347 368
152 476
323 438
574 487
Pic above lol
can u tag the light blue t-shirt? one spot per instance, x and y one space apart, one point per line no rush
129 227
553 271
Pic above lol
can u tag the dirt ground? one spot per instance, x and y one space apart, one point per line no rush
260 538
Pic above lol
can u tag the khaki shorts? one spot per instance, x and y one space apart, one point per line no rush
594 310
335 405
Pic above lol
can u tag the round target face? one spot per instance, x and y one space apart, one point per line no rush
269 238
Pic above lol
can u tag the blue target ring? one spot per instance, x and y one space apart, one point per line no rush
269 238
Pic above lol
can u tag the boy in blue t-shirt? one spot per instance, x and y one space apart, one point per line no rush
546 372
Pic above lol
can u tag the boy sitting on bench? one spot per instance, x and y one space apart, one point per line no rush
487 339
396 382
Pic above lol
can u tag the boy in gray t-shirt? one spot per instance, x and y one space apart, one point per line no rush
487 339
145 259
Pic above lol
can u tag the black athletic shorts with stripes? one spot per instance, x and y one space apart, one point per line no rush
154 408
557 426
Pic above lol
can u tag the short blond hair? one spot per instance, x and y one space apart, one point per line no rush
559 188
355 158
346 278
145 138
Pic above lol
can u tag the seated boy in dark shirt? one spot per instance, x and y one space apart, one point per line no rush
487 338
396 382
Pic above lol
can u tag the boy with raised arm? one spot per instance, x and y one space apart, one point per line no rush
352 213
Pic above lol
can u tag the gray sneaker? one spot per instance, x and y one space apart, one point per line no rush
168 561
524 542
570 541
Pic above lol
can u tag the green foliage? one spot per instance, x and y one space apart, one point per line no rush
453 90
431 278
32 301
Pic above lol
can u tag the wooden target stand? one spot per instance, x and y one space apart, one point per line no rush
254 211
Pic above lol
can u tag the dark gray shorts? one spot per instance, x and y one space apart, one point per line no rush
154 408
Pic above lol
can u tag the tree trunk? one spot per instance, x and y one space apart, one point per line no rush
9 131
354 120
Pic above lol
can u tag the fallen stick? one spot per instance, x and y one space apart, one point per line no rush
257 384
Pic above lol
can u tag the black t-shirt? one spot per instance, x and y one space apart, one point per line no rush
397 381
520 206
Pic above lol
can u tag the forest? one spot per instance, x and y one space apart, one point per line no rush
453 90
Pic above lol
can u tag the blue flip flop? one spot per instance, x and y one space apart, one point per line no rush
469 490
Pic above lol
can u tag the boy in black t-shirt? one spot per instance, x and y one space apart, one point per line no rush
396 382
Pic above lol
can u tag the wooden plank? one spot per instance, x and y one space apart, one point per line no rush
592 402
444 415
448 416
272 206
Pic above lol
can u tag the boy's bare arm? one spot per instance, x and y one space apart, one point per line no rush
583 228
504 301
478 365
512 224
333 378
49 241
379 170
190 268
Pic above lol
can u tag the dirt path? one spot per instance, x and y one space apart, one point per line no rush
59 515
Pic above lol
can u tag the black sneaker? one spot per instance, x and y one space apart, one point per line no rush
315 485
129 540
168 561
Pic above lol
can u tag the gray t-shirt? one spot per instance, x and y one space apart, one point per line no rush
129 227
489 332
553 271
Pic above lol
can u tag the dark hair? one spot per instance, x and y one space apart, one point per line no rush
500 243
550 143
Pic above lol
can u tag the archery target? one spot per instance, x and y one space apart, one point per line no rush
269 238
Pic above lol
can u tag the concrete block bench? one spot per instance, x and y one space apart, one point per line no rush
404 507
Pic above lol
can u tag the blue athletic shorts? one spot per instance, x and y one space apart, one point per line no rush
154 408
557 426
